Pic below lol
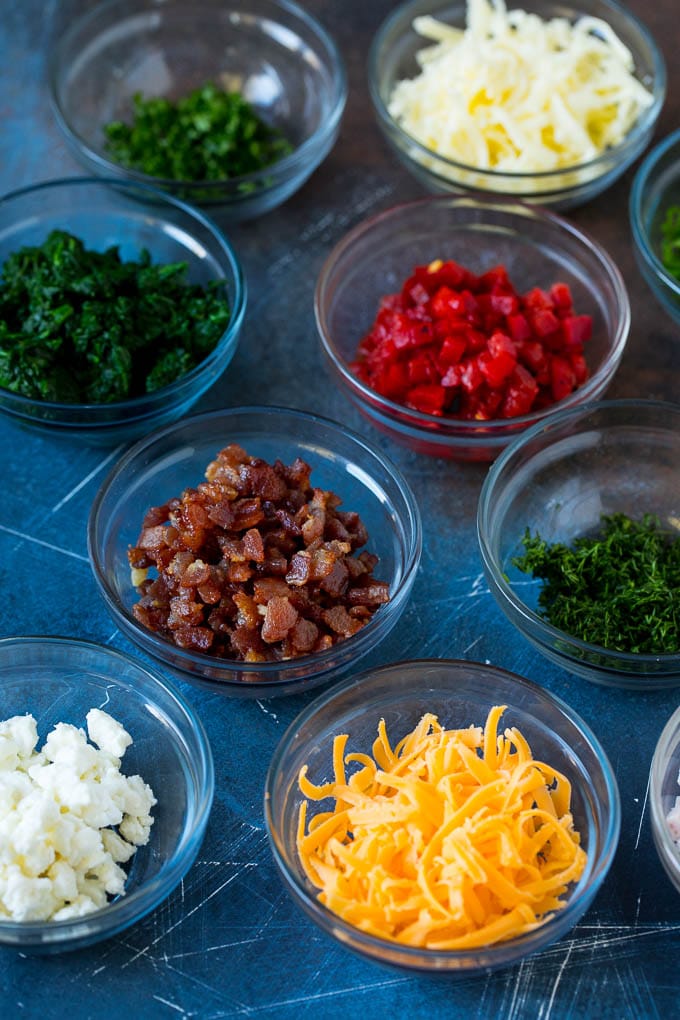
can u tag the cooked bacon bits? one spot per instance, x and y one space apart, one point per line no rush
255 564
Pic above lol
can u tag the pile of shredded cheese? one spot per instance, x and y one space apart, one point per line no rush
519 94
454 839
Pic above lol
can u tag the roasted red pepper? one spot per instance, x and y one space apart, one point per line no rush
453 343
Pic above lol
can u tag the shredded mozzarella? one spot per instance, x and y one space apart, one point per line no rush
516 93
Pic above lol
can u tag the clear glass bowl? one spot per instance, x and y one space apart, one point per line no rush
392 58
537 247
132 216
664 788
165 463
619 456
271 51
460 694
656 186
60 680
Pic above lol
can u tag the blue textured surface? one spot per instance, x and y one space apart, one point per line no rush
229 942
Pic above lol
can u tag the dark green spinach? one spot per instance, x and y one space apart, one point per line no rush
82 326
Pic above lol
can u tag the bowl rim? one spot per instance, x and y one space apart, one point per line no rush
130 908
421 423
667 848
638 190
523 945
550 634
319 662
137 408
296 161
644 123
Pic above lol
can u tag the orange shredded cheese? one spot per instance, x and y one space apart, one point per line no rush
453 839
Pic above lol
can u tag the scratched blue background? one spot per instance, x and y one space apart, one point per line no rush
228 942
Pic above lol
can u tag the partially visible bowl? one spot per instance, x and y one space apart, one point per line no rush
162 465
656 187
60 680
558 479
104 214
271 51
392 59
538 249
664 791
461 694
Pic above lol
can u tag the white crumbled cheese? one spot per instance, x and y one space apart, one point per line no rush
516 93
68 817
673 818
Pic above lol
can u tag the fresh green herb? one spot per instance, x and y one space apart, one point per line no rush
208 135
619 589
670 240
81 326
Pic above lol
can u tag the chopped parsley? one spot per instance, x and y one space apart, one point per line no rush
208 135
81 326
619 589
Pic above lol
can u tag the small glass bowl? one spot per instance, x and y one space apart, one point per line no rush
60 680
133 217
656 186
618 456
460 693
271 51
538 249
664 789
392 58
165 463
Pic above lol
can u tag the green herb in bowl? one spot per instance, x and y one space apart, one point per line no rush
208 135
670 240
619 589
82 326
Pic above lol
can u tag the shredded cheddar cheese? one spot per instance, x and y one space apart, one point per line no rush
516 93
453 839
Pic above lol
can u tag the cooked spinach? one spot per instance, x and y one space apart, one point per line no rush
208 135
82 326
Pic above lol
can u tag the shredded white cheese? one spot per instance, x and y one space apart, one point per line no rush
515 93
68 817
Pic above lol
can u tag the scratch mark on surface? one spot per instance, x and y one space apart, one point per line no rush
267 711
88 478
556 982
181 920
637 911
172 1005
472 645
515 991
642 815
46 545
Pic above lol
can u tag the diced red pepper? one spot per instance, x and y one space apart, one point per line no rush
562 377
576 329
451 351
428 398
473 347
496 367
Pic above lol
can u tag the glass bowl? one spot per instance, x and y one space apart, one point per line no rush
664 790
460 693
271 51
165 463
392 58
619 456
60 680
104 214
656 186
538 249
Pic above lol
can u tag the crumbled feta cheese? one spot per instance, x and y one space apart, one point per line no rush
106 733
68 817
